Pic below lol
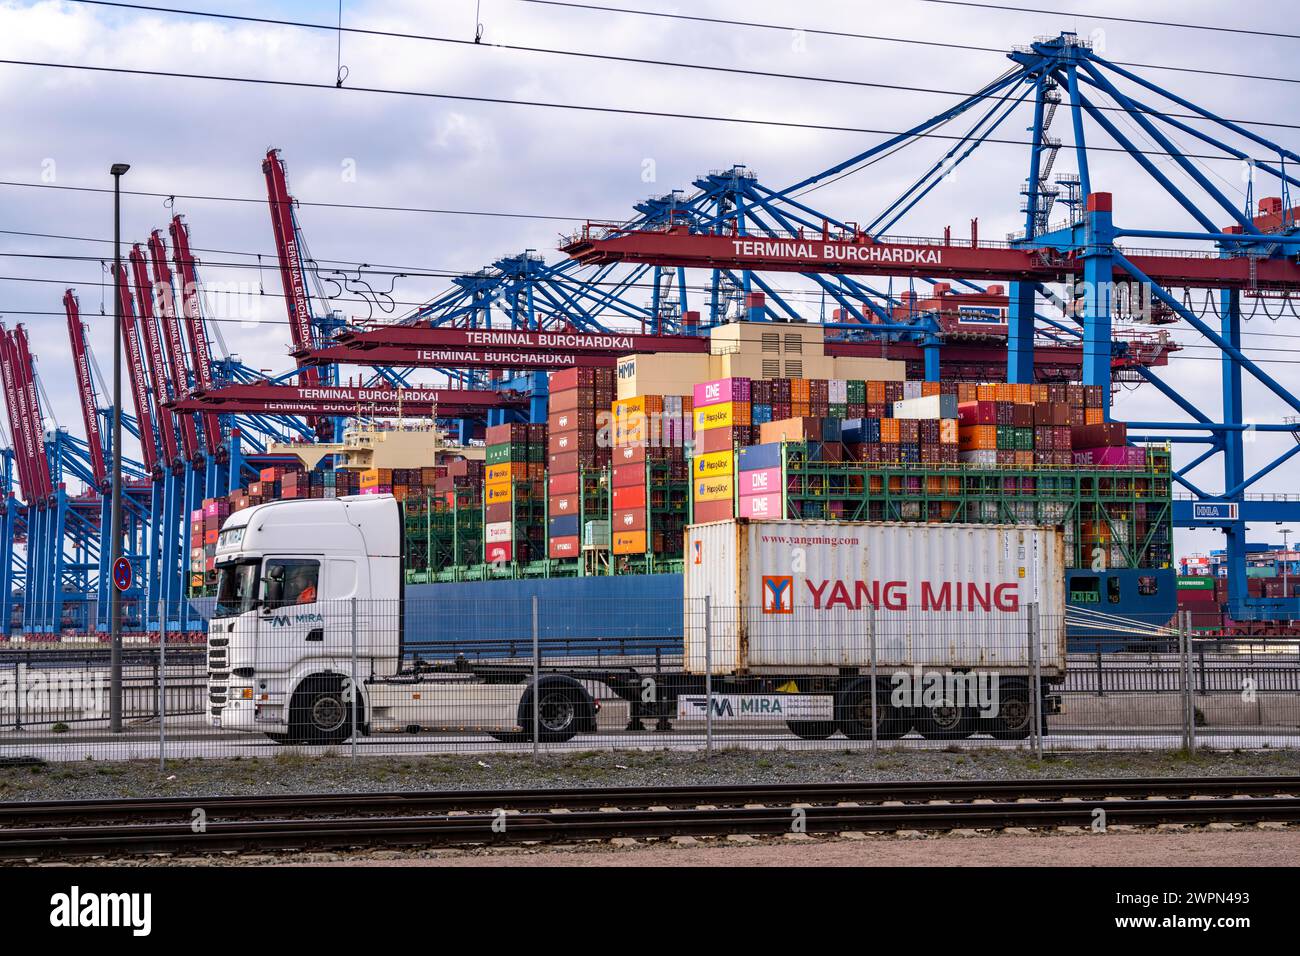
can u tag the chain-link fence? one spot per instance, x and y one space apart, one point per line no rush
863 670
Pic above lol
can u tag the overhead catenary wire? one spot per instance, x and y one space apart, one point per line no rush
845 34
1180 25
607 57
541 104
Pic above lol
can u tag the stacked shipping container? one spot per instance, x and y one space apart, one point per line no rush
578 448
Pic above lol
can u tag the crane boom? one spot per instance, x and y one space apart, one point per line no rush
200 353
290 255
86 389
166 299
30 402
135 368
155 359
17 429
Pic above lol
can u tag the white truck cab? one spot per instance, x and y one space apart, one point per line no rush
309 616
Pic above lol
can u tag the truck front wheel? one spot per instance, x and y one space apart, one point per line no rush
321 712
559 711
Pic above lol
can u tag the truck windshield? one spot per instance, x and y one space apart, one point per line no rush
236 588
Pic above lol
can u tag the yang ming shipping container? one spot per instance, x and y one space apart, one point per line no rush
795 597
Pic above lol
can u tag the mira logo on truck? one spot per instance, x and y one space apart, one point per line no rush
984 596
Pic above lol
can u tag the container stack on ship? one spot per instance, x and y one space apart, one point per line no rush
767 427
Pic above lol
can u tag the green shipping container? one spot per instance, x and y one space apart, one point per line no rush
506 452
1195 582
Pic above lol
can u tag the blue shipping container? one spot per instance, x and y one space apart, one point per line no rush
758 457
564 526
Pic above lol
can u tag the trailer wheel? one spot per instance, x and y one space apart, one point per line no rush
853 714
320 712
811 729
1015 717
946 721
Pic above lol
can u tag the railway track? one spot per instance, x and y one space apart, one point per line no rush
80 829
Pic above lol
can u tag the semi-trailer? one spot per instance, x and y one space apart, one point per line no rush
956 626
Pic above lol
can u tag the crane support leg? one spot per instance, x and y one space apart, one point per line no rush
1020 333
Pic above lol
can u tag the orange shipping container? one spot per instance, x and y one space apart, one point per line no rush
889 431
947 431
875 393
930 388
977 437
628 542
1094 416
511 471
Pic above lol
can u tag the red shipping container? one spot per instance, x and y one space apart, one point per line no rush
629 496
623 476
633 520
498 512
977 413
497 552
569 461
566 547
711 511
562 483
510 433
1103 435
560 505
717 439
571 378
560 443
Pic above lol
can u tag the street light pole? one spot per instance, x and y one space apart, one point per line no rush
115 535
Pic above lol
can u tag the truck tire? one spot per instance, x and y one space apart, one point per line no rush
853 715
564 709
1015 717
319 714
811 729
947 721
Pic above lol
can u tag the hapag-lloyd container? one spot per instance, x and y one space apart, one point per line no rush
801 595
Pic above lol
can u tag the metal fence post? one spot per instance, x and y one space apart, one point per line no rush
871 634
537 690
20 681
1185 668
708 675
1036 682
162 685
356 696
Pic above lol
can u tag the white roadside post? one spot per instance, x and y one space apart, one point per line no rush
352 688
871 634
537 690
1036 682
708 675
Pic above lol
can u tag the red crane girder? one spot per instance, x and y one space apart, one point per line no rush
85 388
346 400
437 347
602 243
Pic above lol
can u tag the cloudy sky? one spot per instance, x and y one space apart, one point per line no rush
206 138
